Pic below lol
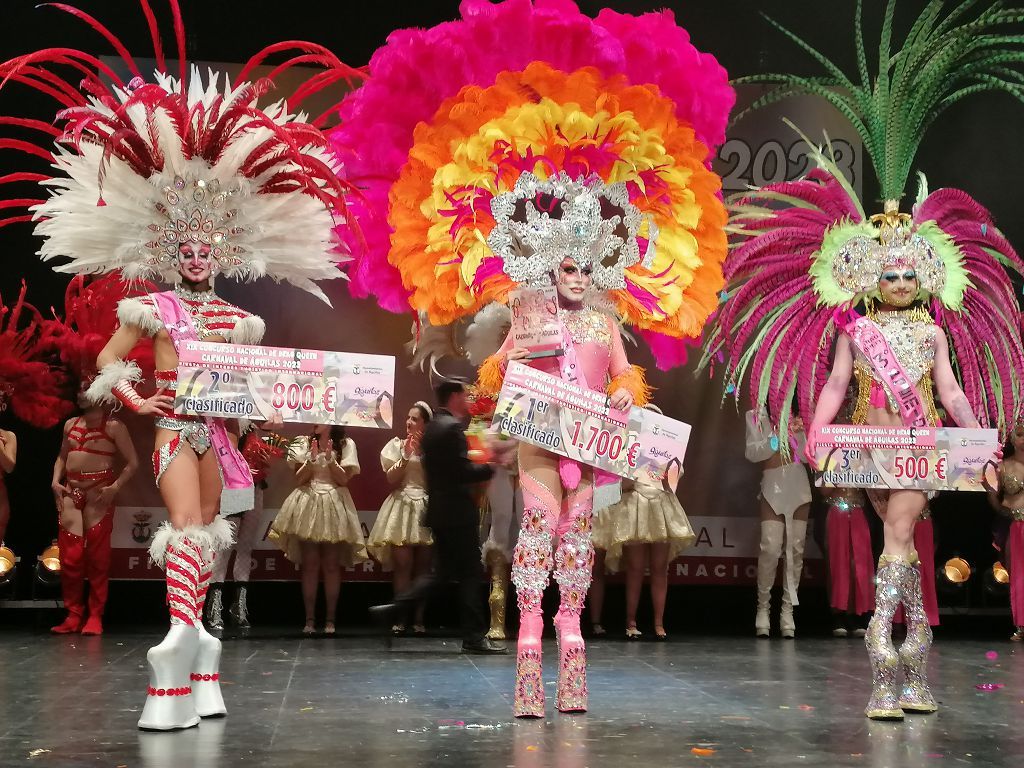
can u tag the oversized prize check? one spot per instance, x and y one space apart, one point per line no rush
543 410
308 386
908 458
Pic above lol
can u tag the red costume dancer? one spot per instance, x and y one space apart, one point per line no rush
84 481
182 177
933 286
246 529
546 148
30 387
851 567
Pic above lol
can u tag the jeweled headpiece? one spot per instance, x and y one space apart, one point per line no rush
853 257
540 223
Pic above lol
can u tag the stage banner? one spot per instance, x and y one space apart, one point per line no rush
307 386
535 322
907 458
543 410
725 551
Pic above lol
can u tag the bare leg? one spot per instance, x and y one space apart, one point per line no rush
190 487
310 569
636 566
659 585
330 558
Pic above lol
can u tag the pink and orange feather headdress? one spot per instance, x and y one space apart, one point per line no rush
452 117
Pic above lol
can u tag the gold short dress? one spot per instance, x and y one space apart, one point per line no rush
646 514
400 520
321 509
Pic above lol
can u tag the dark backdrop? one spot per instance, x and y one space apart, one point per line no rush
975 146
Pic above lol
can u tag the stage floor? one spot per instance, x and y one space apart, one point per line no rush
719 701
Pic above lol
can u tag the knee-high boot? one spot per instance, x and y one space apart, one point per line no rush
574 564
892 574
498 567
531 568
205 673
794 569
169 704
915 696
772 532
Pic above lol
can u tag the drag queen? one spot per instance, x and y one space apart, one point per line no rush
785 504
571 154
182 178
259 453
933 289
1008 500
398 540
318 527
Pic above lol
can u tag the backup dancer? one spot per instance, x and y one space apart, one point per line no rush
785 501
399 540
84 481
932 286
182 177
571 153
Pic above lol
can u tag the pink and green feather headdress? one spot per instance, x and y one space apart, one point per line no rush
787 272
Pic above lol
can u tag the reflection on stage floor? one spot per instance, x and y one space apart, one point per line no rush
351 701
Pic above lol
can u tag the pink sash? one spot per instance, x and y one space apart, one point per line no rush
237 488
872 343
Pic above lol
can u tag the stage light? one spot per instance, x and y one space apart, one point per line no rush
48 565
7 563
999 573
997 580
957 571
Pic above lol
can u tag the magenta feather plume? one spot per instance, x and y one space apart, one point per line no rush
774 337
985 335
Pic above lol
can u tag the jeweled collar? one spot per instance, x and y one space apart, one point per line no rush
202 296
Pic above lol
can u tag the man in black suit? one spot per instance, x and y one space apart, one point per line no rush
454 519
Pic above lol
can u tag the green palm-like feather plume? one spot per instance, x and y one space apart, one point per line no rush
944 58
